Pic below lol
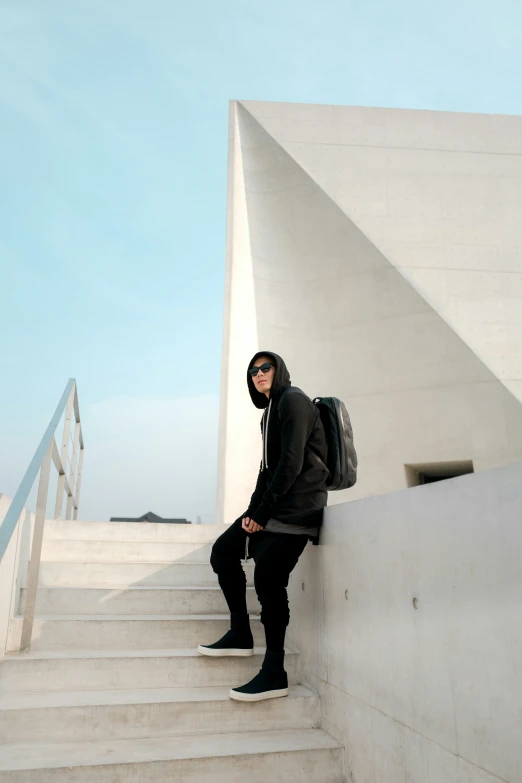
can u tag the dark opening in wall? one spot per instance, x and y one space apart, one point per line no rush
428 472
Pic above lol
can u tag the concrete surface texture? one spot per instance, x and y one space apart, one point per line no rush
113 688
380 252
407 618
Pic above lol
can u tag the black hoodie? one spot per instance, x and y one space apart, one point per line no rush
291 486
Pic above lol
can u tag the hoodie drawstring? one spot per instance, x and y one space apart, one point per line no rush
265 438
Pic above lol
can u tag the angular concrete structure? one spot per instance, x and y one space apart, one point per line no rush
379 251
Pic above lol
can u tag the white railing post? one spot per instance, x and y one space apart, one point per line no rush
78 484
63 455
36 551
72 474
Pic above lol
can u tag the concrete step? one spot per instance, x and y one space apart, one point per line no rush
59 550
48 670
160 574
131 531
134 600
304 755
86 716
121 632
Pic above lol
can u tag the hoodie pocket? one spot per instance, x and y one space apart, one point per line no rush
315 471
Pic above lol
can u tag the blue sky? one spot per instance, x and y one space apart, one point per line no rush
112 200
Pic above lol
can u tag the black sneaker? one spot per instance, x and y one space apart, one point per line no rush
236 642
270 683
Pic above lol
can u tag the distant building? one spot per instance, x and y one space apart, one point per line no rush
150 517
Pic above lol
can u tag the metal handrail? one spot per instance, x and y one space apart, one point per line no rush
46 453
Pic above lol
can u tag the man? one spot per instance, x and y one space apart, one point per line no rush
285 511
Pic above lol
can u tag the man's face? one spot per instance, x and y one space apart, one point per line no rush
264 379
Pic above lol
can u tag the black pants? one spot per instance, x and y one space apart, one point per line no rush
275 556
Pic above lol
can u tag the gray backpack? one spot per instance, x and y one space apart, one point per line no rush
342 458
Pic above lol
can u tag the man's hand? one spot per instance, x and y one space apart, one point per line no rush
250 526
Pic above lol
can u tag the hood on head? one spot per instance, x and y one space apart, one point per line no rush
281 380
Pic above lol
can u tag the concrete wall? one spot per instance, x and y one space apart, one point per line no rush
431 692
239 341
439 194
306 279
13 568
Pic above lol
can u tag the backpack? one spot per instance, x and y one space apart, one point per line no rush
342 458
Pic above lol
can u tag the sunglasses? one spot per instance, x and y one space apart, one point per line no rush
264 367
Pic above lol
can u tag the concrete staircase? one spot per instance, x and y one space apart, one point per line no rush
113 689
